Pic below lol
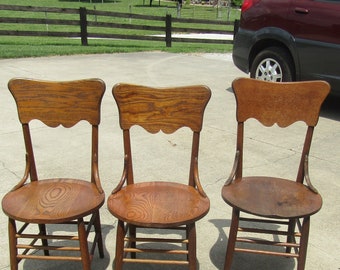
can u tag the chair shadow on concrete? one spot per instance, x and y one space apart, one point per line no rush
245 261
97 262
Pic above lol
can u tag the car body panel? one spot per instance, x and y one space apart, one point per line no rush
317 39
308 29
248 43
315 20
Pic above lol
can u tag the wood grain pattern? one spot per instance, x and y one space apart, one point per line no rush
158 204
53 201
65 103
166 109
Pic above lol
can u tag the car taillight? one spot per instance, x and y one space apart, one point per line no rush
248 4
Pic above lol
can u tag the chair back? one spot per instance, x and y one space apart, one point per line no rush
161 109
166 109
58 103
278 103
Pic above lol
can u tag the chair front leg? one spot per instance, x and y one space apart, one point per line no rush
12 230
303 243
232 239
191 235
119 245
84 249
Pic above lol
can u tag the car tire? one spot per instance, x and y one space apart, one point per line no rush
272 64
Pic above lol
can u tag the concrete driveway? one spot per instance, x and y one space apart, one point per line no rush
216 152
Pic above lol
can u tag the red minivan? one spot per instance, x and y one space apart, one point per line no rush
288 40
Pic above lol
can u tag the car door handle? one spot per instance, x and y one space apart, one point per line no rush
301 10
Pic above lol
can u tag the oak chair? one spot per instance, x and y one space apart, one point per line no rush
273 200
60 200
158 204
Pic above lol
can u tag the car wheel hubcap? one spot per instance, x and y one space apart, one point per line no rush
269 70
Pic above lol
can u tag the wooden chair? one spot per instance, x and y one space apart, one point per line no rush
59 200
273 200
159 204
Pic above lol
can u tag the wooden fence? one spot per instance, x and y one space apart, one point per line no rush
92 28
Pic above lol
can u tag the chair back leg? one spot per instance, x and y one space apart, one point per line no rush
99 238
42 231
290 236
132 230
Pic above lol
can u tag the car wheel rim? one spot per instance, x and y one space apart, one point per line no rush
269 70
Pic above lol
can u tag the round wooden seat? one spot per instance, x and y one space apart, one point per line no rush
158 204
272 197
52 201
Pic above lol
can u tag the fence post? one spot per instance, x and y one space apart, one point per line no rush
236 26
83 26
168 30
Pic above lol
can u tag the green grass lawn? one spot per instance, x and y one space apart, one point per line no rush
13 46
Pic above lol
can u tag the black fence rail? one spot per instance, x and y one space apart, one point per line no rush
85 24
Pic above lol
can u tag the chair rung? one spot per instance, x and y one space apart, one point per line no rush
266 252
179 228
167 251
39 247
38 257
74 222
258 220
158 240
129 260
275 232
266 242
40 236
